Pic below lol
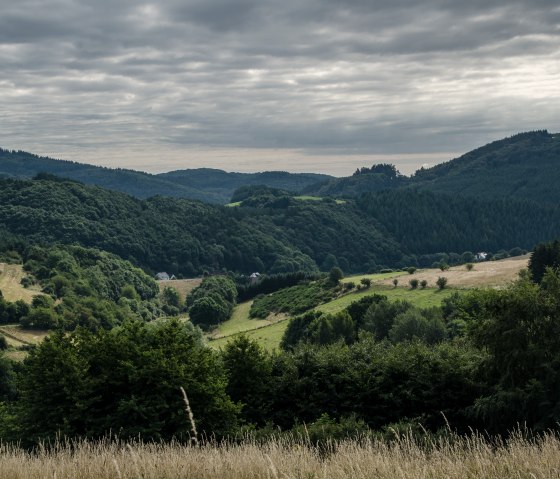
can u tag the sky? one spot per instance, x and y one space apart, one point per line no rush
295 85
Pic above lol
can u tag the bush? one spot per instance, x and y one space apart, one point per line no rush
3 343
423 284
366 282
395 282
413 283
469 266
335 275
441 282
443 266
411 269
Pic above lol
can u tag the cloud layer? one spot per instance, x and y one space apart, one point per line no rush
315 82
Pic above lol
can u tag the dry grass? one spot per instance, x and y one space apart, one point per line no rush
23 336
12 290
461 458
183 286
486 274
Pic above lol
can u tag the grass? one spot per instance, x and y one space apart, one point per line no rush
316 198
240 321
373 277
12 290
454 458
268 337
182 286
423 298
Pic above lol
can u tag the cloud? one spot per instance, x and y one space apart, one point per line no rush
326 77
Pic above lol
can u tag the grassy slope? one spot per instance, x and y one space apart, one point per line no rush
489 274
12 290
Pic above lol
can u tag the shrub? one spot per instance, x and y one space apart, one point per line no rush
423 284
335 275
411 270
441 282
395 282
443 266
366 282
413 283
469 266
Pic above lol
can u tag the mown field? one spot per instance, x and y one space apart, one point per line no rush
452 458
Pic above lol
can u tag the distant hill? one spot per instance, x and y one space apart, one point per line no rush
525 166
204 184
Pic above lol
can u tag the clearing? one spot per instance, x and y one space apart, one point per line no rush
182 286
10 283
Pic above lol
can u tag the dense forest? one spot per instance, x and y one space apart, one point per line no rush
271 231
522 167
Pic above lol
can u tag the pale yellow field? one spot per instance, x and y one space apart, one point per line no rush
12 290
486 274
183 286
458 458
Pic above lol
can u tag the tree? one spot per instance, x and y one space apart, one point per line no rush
413 283
335 275
209 310
366 282
443 266
395 282
427 326
423 284
248 368
441 282
411 269
124 380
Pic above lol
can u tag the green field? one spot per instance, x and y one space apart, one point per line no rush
423 298
316 198
268 332
268 337
239 321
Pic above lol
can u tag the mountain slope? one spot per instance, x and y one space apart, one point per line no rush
525 166
204 184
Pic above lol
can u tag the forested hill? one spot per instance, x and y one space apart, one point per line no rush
188 237
204 184
525 166
271 233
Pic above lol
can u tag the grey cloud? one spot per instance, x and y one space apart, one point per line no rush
317 75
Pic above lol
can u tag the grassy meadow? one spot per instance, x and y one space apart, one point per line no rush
454 458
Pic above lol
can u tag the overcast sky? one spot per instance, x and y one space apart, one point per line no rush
297 85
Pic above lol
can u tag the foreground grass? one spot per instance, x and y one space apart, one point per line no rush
472 457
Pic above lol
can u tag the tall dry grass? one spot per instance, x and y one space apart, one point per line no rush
472 457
